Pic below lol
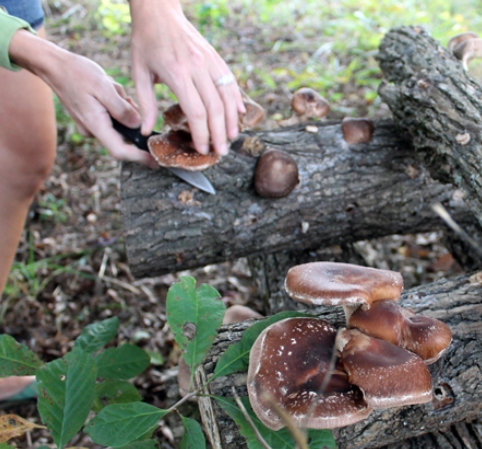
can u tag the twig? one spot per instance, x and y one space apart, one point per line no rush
445 216
300 436
250 421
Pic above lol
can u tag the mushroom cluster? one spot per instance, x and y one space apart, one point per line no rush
466 46
326 378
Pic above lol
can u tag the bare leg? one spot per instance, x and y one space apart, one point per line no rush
28 140
27 151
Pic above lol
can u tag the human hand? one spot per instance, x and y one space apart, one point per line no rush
87 92
167 49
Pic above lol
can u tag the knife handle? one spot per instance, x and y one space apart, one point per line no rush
132 134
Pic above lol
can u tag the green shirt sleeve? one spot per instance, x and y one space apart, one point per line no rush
8 26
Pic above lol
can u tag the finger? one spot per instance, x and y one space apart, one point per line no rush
216 113
146 98
228 95
118 107
195 112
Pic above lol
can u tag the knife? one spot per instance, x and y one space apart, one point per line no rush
194 178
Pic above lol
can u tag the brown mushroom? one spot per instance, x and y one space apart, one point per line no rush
468 50
389 376
254 113
289 364
276 174
176 149
457 39
306 103
357 130
174 118
427 337
332 284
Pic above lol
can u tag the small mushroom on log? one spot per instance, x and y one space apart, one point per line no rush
357 130
306 103
458 38
468 50
276 174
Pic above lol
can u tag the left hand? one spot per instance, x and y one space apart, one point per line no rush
167 48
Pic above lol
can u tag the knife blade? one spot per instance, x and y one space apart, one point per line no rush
194 178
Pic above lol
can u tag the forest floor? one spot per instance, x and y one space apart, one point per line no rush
71 268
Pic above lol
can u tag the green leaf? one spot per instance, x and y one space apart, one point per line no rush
280 439
236 358
95 336
116 392
194 316
193 437
122 363
6 446
145 444
16 359
66 392
120 424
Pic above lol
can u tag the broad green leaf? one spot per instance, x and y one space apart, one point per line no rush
145 444
95 336
194 316
6 446
16 359
120 424
115 392
236 358
193 437
66 392
122 363
280 439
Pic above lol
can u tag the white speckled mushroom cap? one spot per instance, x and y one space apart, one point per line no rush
288 364
336 284
176 149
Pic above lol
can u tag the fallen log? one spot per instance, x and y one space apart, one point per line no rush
439 104
457 378
346 193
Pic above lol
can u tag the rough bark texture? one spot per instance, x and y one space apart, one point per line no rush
457 378
346 193
432 97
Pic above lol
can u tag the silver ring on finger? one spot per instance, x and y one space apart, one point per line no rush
224 80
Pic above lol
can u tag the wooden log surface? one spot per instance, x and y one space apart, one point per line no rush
434 99
457 377
346 193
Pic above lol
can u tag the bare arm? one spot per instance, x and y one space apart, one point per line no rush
83 87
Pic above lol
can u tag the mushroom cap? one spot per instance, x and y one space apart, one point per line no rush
357 130
309 103
333 284
288 364
458 38
389 376
427 337
254 113
276 174
467 50
176 149
175 118
237 312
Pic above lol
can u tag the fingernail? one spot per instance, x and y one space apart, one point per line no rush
204 149
223 149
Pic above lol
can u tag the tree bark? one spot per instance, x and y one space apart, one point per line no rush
457 378
434 99
346 193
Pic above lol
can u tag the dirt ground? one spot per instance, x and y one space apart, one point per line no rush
77 272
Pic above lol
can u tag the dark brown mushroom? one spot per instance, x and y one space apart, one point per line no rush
290 365
176 149
254 113
306 103
389 376
174 118
276 174
357 130
427 337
